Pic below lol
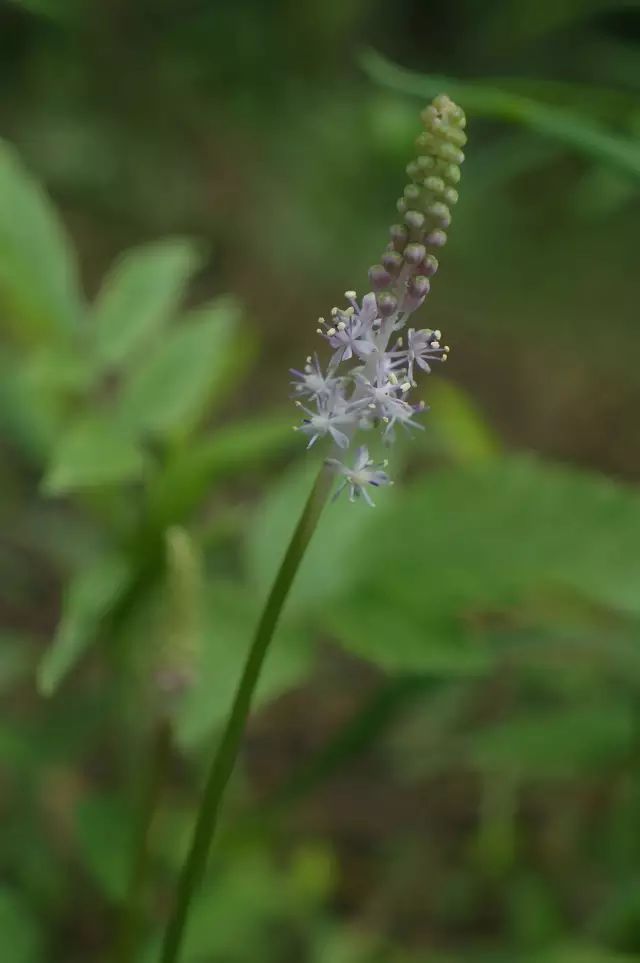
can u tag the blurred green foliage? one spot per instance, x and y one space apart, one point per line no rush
444 763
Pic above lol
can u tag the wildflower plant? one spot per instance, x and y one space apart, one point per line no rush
365 386
369 379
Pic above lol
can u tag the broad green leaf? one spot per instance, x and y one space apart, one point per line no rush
230 620
376 630
39 292
87 600
94 452
494 99
243 446
139 297
557 743
37 393
103 835
19 930
170 388
463 542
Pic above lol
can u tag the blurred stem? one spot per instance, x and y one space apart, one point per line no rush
227 750
133 907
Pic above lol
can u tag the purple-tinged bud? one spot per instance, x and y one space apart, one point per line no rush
419 287
387 304
399 237
429 265
436 238
392 261
414 254
379 277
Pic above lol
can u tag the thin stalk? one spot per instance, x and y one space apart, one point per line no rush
227 749
133 906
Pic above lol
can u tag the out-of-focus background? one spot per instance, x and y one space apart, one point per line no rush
445 761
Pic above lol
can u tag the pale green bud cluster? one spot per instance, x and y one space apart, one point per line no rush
425 206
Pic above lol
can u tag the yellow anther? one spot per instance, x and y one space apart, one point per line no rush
341 326
406 386
334 311
349 294
331 332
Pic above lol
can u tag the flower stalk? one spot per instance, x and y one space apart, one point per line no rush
227 749
338 402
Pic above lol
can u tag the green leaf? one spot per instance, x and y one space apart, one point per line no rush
495 99
103 834
468 541
94 452
19 930
230 621
87 600
139 297
239 447
39 289
376 630
168 391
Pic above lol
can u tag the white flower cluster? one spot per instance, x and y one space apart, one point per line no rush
373 390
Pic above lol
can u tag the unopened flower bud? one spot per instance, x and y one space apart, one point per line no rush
414 220
387 304
429 265
419 286
436 238
414 253
399 236
392 262
379 277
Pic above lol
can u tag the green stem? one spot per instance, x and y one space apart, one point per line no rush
133 907
227 749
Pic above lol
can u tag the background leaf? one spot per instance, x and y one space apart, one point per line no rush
480 540
178 378
94 452
88 598
140 295
488 98
38 276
